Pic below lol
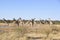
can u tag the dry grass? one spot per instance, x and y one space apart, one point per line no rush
18 33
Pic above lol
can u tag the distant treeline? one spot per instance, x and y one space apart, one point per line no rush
37 21
56 22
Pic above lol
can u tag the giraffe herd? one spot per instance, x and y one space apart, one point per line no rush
22 22
31 22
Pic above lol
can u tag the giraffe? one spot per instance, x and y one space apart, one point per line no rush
50 22
5 21
20 22
33 20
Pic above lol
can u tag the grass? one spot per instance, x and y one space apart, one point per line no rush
19 33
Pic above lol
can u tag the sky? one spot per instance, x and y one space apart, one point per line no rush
27 9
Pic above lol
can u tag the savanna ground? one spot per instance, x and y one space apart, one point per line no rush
19 33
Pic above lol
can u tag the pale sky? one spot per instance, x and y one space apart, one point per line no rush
28 9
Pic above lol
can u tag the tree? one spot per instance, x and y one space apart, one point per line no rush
14 19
